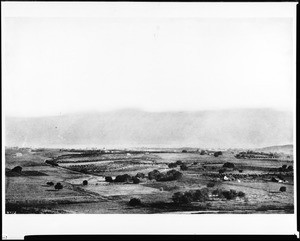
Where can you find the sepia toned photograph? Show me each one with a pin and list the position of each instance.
(147, 111)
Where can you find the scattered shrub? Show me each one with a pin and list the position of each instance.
(210, 184)
(17, 169)
(218, 153)
(187, 197)
(231, 194)
(108, 179)
(58, 186)
(85, 182)
(51, 162)
(169, 176)
(135, 202)
(179, 163)
(135, 180)
(123, 178)
(183, 167)
(241, 194)
(50, 183)
(282, 189)
(172, 165)
(228, 165)
(140, 175)
(153, 174)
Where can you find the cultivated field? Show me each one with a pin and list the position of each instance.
(201, 187)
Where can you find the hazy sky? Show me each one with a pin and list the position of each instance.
(61, 65)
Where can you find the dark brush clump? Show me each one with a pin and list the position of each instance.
(135, 202)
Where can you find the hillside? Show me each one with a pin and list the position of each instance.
(244, 128)
(287, 149)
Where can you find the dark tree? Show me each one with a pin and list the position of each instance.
(85, 182)
(184, 151)
(228, 165)
(135, 202)
(135, 180)
(108, 179)
(50, 183)
(17, 169)
(183, 167)
(58, 186)
(172, 165)
(282, 189)
(140, 175)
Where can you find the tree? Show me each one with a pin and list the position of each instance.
(282, 189)
(17, 169)
(108, 179)
(85, 182)
(50, 183)
(228, 165)
(58, 186)
(135, 180)
(135, 202)
(183, 167)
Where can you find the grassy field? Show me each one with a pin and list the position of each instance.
(28, 192)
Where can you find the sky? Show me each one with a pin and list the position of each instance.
(56, 66)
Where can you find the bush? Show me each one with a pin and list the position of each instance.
(58, 186)
(135, 180)
(218, 153)
(202, 152)
(140, 175)
(50, 183)
(123, 178)
(240, 170)
(179, 163)
(108, 179)
(290, 168)
(210, 184)
(17, 169)
(282, 189)
(222, 170)
(153, 174)
(187, 197)
(231, 194)
(183, 167)
(241, 194)
(135, 202)
(284, 166)
(228, 165)
(169, 176)
(184, 151)
(85, 182)
(51, 162)
(172, 165)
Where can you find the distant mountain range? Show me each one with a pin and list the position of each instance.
(242, 128)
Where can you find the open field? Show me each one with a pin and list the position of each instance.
(259, 179)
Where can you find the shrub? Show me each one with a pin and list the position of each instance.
(108, 179)
(290, 168)
(140, 175)
(50, 183)
(179, 163)
(228, 165)
(58, 186)
(184, 151)
(282, 189)
(172, 165)
(135, 180)
(240, 170)
(51, 162)
(202, 152)
(135, 202)
(231, 194)
(123, 178)
(85, 182)
(181, 198)
(153, 174)
(222, 170)
(187, 197)
(201, 195)
(17, 169)
(241, 194)
(183, 167)
(284, 166)
(210, 184)
(218, 153)
(218, 192)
